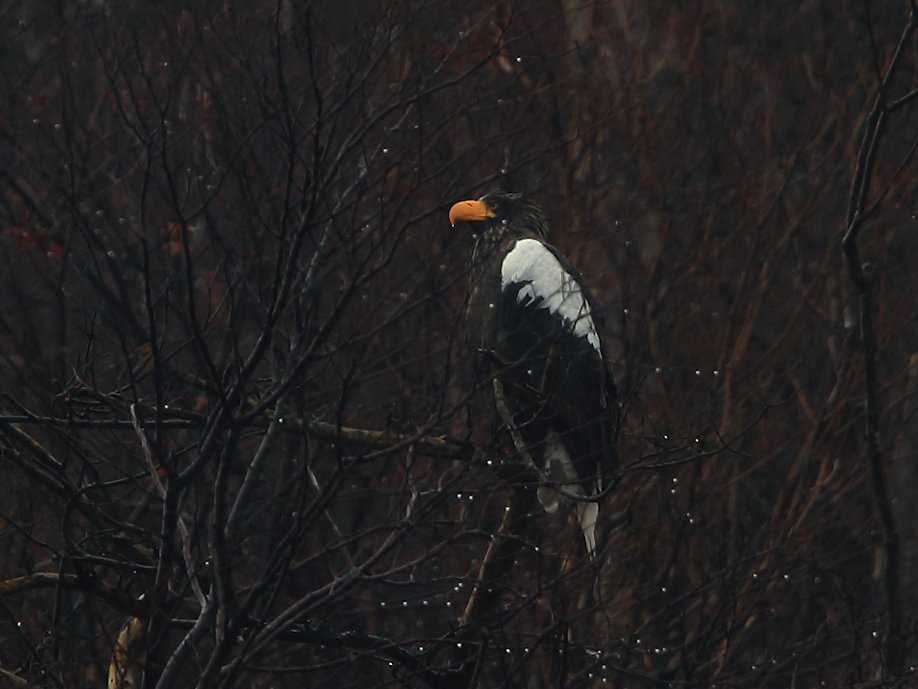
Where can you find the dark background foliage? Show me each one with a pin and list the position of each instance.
(236, 442)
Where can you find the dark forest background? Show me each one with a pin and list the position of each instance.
(236, 448)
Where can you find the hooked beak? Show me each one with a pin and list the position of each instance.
(469, 211)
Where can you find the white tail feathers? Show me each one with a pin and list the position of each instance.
(587, 514)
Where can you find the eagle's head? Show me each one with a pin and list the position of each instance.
(501, 209)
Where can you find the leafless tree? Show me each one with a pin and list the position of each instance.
(238, 443)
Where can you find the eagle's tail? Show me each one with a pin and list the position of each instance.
(587, 514)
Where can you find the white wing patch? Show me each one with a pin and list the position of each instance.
(543, 276)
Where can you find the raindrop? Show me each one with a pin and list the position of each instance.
(716, 372)
(280, 420)
(385, 150)
(426, 602)
(449, 604)
(110, 253)
(874, 634)
(420, 649)
(35, 121)
(675, 480)
(404, 604)
(503, 221)
(787, 577)
(503, 171)
(490, 306)
(57, 125)
(755, 575)
(507, 650)
(663, 589)
(458, 496)
(382, 603)
(658, 370)
(528, 371)
(536, 548)
(817, 580)
(458, 644)
(490, 462)
(165, 63)
(519, 59)
(697, 371)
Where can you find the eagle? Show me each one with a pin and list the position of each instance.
(543, 353)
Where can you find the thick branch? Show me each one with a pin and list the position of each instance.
(862, 277)
(432, 445)
(41, 580)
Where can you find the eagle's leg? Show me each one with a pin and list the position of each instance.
(503, 408)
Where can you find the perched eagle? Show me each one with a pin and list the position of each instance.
(542, 347)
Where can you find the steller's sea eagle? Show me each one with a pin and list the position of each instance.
(545, 357)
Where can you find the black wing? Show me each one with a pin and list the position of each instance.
(554, 369)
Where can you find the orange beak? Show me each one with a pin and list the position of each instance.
(469, 211)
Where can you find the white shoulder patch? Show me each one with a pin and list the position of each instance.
(531, 263)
